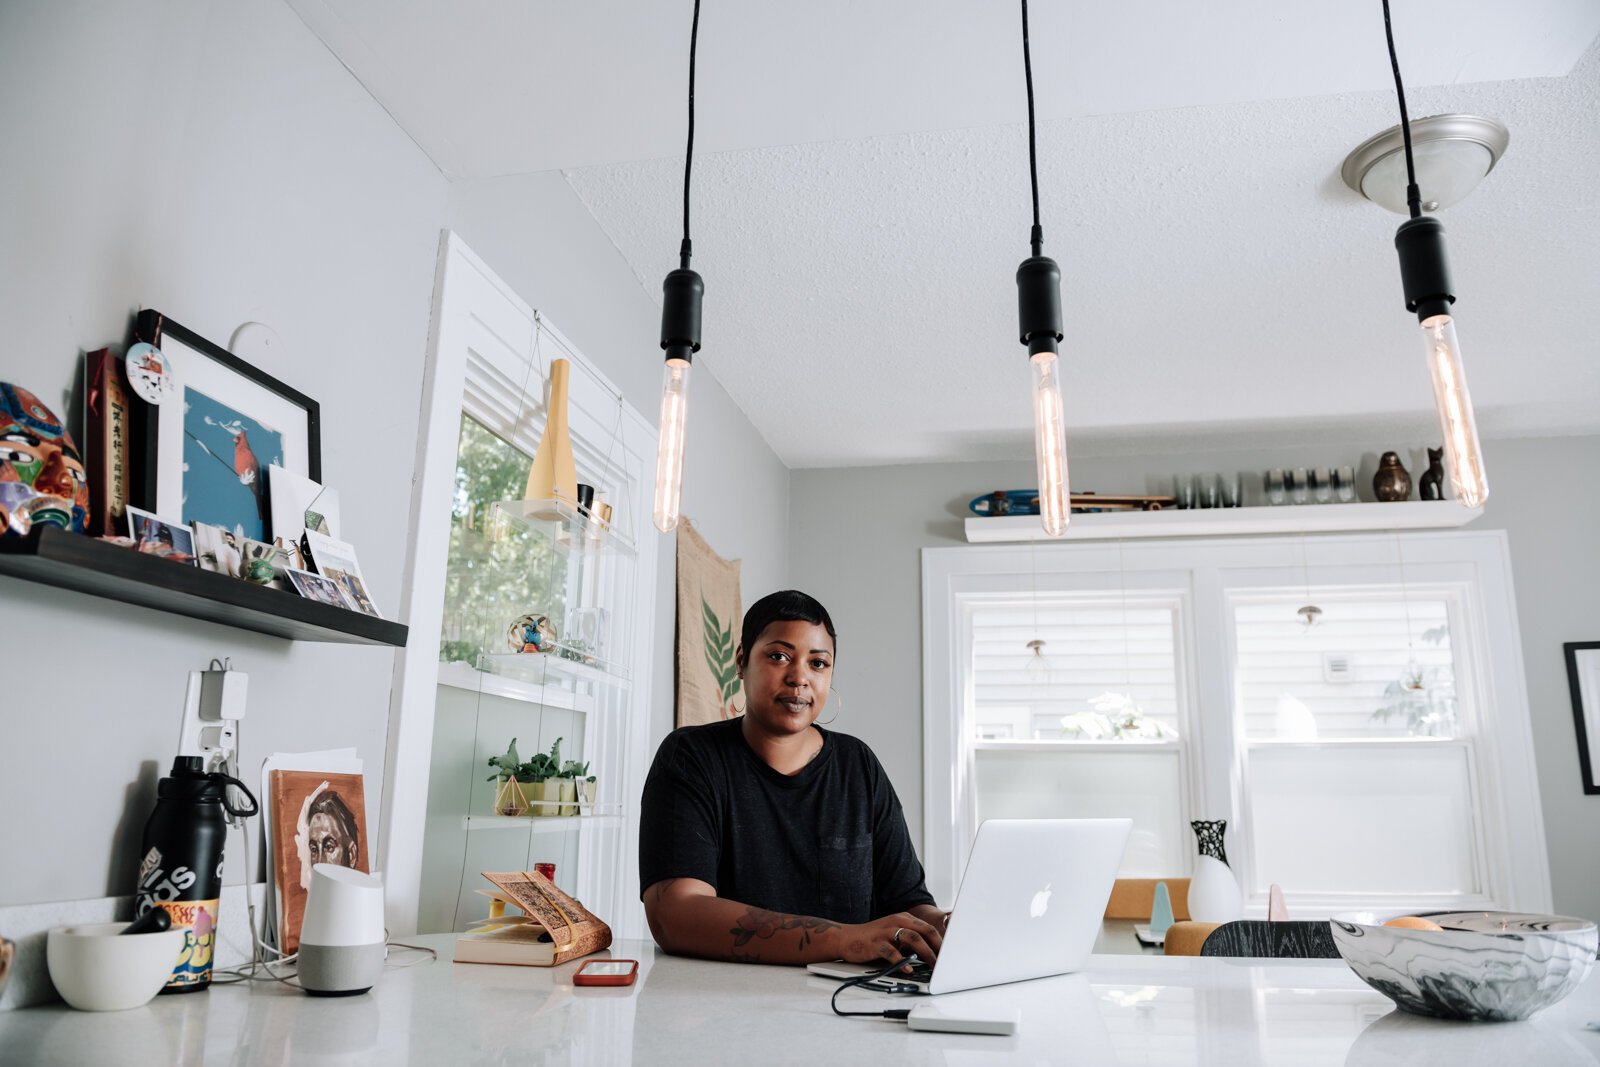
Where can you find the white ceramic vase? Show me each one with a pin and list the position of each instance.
(1214, 895)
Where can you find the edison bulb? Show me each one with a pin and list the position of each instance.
(669, 452)
(1468, 483)
(1050, 443)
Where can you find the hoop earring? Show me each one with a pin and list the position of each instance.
(834, 692)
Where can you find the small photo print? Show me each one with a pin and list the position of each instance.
(336, 561)
(217, 548)
(316, 587)
(156, 537)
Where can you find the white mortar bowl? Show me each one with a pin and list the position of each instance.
(95, 970)
(1489, 966)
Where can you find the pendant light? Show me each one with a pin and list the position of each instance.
(1426, 279)
(681, 294)
(1039, 313)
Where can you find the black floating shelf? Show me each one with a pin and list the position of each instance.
(61, 558)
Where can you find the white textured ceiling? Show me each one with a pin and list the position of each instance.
(1221, 285)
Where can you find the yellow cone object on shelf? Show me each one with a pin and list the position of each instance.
(553, 476)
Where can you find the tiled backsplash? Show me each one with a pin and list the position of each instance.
(27, 925)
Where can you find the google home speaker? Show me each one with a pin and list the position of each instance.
(341, 936)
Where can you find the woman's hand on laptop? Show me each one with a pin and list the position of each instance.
(892, 938)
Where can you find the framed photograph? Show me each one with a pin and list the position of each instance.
(156, 537)
(1583, 675)
(316, 818)
(316, 587)
(336, 561)
(209, 444)
(218, 549)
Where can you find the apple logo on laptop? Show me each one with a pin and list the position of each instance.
(1041, 901)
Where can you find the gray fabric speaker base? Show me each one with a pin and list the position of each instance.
(339, 970)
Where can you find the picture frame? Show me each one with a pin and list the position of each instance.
(1583, 676)
(200, 463)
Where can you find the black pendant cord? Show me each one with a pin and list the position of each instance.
(1033, 152)
(686, 249)
(1413, 195)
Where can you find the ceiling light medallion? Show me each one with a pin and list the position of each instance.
(1426, 279)
(681, 294)
(1039, 313)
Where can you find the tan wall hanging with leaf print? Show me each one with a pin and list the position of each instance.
(709, 615)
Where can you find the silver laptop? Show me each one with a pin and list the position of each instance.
(1029, 906)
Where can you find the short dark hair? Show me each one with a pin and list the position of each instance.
(333, 806)
(788, 605)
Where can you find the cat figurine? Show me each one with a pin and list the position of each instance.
(1431, 485)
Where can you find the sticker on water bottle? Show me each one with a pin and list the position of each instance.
(198, 920)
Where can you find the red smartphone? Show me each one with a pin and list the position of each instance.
(606, 972)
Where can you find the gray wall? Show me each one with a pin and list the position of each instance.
(857, 534)
(212, 160)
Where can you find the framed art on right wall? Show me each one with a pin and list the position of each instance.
(1583, 675)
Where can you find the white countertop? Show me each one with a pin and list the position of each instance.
(1144, 1010)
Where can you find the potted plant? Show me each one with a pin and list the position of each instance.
(543, 771)
(587, 789)
(571, 771)
(512, 795)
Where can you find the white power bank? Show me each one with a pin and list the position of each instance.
(958, 1020)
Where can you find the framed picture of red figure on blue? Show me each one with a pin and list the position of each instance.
(207, 446)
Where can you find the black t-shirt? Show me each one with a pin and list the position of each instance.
(830, 841)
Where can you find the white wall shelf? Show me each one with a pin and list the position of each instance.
(1222, 522)
(567, 529)
(608, 815)
(465, 676)
(551, 668)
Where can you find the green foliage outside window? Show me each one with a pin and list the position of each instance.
(495, 572)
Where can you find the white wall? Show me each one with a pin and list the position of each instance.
(536, 234)
(858, 532)
(211, 159)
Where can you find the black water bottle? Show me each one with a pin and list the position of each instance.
(181, 869)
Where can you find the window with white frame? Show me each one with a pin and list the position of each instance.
(1353, 757)
(1076, 714)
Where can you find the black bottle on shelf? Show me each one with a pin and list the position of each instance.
(181, 869)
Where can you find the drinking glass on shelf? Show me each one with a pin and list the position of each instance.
(1344, 485)
(1300, 486)
(1207, 493)
(1229, 484)
(1182, 492)
(1276, 493)
(1322, 486)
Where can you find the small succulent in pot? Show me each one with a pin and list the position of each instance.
(508, 765)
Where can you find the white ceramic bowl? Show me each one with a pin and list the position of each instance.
(95, 970)
(1484, 965)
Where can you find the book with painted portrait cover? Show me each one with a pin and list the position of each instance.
(316, 818)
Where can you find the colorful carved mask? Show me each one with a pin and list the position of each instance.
(41, 472)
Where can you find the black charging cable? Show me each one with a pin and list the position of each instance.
(899, 987)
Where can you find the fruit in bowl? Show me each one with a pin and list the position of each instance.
(1479, 965)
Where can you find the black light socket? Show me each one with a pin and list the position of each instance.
(681, 294)
(1424, 271)
(1039, 304)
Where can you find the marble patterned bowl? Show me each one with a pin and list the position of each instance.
(1487, 966)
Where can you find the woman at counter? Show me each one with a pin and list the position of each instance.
(767, 839)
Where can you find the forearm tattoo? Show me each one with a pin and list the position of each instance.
(758, 923)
